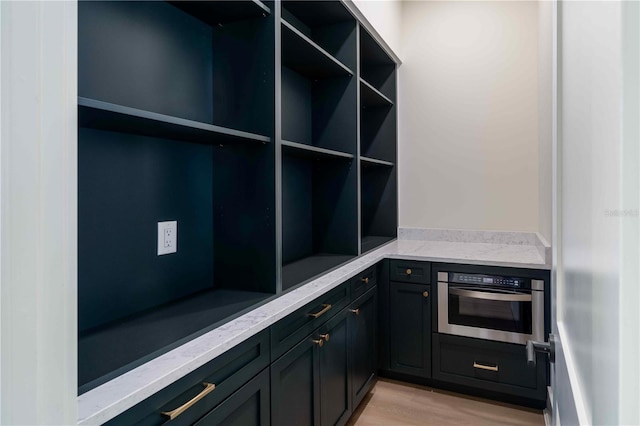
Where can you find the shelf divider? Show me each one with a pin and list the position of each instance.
(372, 97)
(107, 116)
(375, 161)
(304, 56)
(314, 151)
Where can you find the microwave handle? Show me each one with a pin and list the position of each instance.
(490, 296)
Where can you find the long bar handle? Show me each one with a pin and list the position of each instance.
(485, 367)
(208, 388)
(325, 308)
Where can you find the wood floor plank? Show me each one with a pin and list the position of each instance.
(392, 403)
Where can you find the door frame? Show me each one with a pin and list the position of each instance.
(38, 212)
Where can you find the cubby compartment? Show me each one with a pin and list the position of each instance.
(325, 24)
(203, 65)
(319, 213)
(379, 203)
(319, 92)
(376, 67)
(378, 118)
(134, 304)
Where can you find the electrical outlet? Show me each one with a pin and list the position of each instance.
(167, 237)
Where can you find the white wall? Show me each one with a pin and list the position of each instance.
(545, 116)
(468, 143)
(385, 16)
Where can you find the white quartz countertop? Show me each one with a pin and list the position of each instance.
(112, 398)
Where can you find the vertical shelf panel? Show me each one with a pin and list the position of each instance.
(378, 144)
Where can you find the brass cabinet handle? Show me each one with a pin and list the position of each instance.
(208, 388)
(485, 367)
(365, 280)
(355, 311)
(318, 342)
(325, 308)
(409, 271)
(325, 337)
(425, 294)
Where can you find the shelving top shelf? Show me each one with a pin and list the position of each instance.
(372, 97)
(313, 151)
(304, 56)
(222, 12)
(376, 162)
(107, 116)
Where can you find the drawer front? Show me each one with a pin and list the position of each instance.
(249, 406)
(290, 330)
(410, 271)
(364, 282)
(495, 366)
(229, 372)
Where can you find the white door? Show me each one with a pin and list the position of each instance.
(595, 379)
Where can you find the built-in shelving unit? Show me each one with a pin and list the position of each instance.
(239, 120)
(378, 142)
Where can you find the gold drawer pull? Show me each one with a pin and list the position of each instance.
(365, 280)
(355, 311)
(485, 367)
(318, 342)
(208, 388)
(409, 271)
(325, 308)
(325, 337)
(425, 294)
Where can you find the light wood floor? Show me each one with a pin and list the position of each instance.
(392, 403)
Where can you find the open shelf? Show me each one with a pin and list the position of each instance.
(312, 151)
(305, 269)
(371, 242)
(154, 57)
(223, 12)
(328, 24)
(376, 67)
(131, 182)
(375, 162)
(372, 97)
(379, 205)
(106, 116)
(305, 57)
(319, 214)
(319, 112)
(105, 351)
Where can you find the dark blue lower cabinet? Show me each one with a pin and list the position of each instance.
(335, 377)
(410, 329)
(295, 385)
(310, 384)
(363, 332)
(249, 406)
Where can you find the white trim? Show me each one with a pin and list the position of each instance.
(38, 198)
(584, 415)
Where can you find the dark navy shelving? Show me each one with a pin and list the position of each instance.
(258, 126)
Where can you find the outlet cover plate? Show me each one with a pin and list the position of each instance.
(167, 237)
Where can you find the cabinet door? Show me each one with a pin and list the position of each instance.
(335, 380)
(249, 406)
(363, 344)
(410, 329)
(295, 385)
